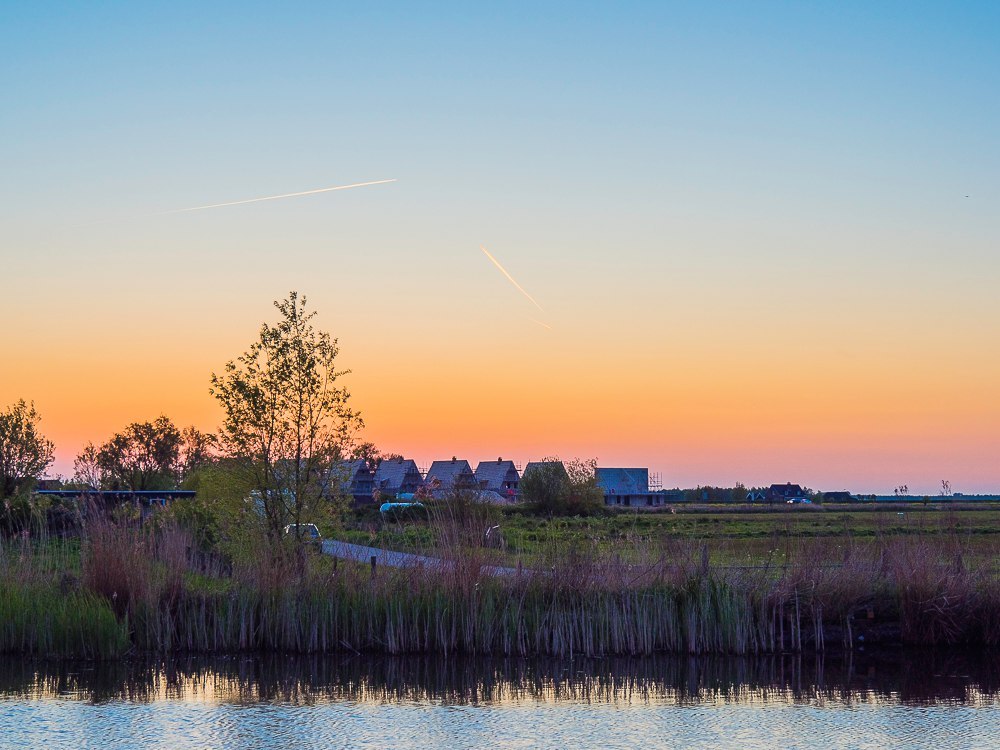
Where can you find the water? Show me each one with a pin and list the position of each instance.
(914, 700)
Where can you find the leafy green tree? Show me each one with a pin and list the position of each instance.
(25, 453)
(286, 419)
(198, 449)
(558, 489)
(218, 517)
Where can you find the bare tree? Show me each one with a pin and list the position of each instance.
(286, 420)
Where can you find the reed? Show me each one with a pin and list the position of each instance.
(44, 621)
(144, 588)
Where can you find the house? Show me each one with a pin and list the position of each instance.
(757, 496)
(354, 478)
(623, 481)
(451, 475)
(782, 493)
(498, 476)
(838, 497)
(145, 501)
(628, 487)
(397, 476)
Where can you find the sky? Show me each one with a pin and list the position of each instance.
(762, 237)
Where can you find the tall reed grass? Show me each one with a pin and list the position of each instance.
(144, 588)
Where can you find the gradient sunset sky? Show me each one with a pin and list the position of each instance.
(765, 237)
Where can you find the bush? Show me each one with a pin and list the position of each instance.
(556, 489)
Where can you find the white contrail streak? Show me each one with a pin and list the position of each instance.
(275, 197)
(511, 279)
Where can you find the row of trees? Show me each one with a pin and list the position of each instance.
(144, 456)
(286, 421)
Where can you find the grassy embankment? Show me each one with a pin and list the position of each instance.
(692, 582)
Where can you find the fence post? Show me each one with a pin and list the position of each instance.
(374, 560)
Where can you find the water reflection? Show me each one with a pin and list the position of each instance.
(898, 678)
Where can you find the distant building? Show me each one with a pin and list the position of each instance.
(145, 501)
(451, 475)
(355, 479)
(623, 481)
(837, 497)
(397, 476)
(781, 493)
(630, 488)
(757, 496)
(498, 476)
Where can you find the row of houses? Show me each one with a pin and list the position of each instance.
(499, 480)
(401, 477)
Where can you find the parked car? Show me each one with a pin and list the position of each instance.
(799, 501)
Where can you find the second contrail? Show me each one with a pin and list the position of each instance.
(511, 279)
(276, 197)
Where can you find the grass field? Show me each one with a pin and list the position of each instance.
(742, 535)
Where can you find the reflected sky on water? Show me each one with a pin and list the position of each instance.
(914, 699)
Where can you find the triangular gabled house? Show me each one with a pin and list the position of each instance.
(455, 474)
(397, 477)
(498, 476)
(354, 478)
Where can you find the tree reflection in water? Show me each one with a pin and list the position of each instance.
(904, 677)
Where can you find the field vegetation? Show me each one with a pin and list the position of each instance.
(616, 584)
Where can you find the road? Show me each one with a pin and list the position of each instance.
(393, 559)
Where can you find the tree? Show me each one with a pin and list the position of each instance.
(371, 455)
(144, 456)
(197, 450)
(25, 453)
(569, 489)
(286, 421)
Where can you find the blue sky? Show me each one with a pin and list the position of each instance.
(711, 184)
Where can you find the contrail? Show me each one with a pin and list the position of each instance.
(511, 279)
(275, 197)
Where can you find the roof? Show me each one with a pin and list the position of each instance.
(447, 472)
(623, 481)
(348, 470)
(392, 473)
(495, 473)
(786, 490)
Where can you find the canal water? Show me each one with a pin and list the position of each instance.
(929, 699)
